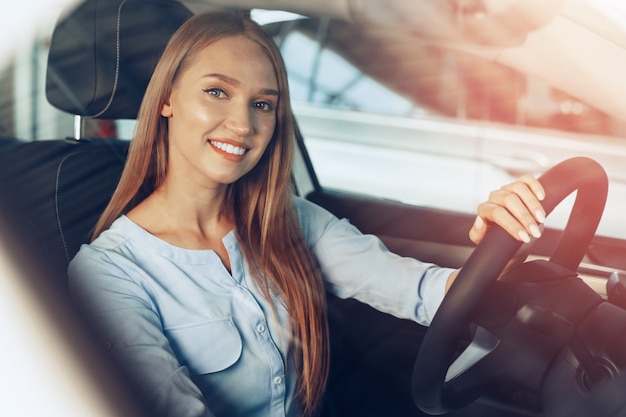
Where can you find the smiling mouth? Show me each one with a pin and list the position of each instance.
(228, 148)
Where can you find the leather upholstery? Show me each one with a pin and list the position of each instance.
(55, 191)
(103, 53)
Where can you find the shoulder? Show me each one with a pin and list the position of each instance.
(107, 249)
(108, 267)
(117, 234)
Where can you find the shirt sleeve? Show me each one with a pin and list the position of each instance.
(131, 327)
(356, 265)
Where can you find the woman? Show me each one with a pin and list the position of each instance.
(207, 274)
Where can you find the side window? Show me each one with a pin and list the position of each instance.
(360, 134)
(393, 115)
(320, 76)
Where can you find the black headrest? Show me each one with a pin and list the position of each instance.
(103, 53)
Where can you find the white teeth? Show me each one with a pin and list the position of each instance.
(228, 148)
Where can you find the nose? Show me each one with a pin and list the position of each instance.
(239, 120)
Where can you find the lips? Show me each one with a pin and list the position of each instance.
(228, 148)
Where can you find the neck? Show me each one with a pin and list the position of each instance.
(192, 219)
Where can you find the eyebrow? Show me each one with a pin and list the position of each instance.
(234, 82)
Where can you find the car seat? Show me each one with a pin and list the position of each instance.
(54, 190)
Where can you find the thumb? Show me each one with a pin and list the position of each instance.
(478, 230)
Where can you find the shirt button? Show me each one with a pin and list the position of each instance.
(261, 328)
(278, 380)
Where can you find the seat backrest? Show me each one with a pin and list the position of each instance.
(54, 192)
(102, 55)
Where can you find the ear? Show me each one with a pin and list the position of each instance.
(166, 110)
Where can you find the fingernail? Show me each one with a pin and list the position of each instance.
(540, 216)
(479, 222)
(534, 230)
(523, 236)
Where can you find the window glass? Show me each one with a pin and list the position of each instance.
(394, 116)
(335, 65)
(321, 76)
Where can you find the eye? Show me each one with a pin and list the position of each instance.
(263, 106)
(215, 92)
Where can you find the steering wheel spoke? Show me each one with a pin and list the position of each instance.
(483, 343)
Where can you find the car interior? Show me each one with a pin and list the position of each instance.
(101, 57)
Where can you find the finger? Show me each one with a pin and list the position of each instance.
(522, 203)
(520, 225)
(535, 186)
(516, 207)
(480, 227)
(478, 230)
(531, 192)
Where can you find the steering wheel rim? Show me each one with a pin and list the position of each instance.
(430, 392)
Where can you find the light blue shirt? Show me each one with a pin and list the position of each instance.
(204, 341)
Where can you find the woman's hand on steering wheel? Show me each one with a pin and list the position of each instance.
(516, 207)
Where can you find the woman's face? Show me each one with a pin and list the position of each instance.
(221, 113)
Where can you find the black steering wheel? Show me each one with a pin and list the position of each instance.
(431, 393)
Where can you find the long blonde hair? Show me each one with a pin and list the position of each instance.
(260, 202)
